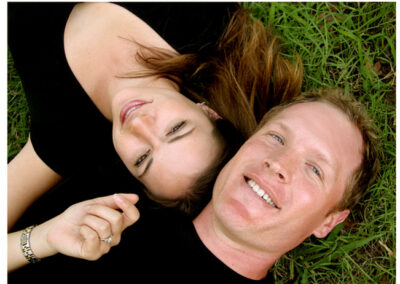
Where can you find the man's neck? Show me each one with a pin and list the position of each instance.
(234, 255)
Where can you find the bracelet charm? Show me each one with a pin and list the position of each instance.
(26, 245)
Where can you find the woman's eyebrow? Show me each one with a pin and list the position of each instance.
(169, 141)
(146, 168)
(180, 136)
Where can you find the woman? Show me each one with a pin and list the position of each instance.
(142, 98)
(135, 78)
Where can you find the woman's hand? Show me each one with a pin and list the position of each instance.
(78, 231)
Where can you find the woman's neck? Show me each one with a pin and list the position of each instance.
(241, 260)
(105, 49)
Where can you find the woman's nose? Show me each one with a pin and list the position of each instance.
(143, 127)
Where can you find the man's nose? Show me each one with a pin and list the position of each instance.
(278, 168)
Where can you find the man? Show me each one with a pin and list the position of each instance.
(298, 175)
(307, 164)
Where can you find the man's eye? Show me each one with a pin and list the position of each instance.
(142, 158)
(277, 138)
(316, 171)
(177, 127)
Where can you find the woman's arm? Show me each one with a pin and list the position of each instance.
(28, 178)
(78, 231)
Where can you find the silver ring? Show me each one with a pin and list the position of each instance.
(107, 240)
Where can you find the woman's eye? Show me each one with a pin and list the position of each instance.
(177, 127)
(277, 138)
(142, 158)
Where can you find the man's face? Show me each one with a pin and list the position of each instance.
(281, 185)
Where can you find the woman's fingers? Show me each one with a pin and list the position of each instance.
(109, 200)
(92, 248)
(101, 226)
(107, 221)
(125, 202)
(130, 212)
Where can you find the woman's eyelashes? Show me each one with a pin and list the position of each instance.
(177, 127)
(142, 158)
(174, 129)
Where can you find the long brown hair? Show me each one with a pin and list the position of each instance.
(241, 78)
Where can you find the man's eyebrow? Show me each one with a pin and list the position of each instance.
(322, 158)
(146, 168)
(283, 126)
(180, 136)
(318, 155)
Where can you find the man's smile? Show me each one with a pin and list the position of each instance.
(261, 192)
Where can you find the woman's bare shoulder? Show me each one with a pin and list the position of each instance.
(108, 22)
(100, 41)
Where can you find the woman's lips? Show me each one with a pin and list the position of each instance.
(129, 108)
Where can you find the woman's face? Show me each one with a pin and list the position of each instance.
(164, 139)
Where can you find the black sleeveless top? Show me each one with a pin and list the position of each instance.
(68, 132)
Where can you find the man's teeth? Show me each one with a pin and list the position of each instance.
(260, 192)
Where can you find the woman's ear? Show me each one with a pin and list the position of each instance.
(330, 222)
(209, 111)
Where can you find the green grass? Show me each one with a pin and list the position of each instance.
(17, 111)
(350, 45)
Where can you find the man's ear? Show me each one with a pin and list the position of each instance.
(330, 222)
(209, 111)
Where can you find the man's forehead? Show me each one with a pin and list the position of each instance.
(304, 109)
(326, 125)
(316, 106)
(315, 119)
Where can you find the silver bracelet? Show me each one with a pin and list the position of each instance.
(26, 245)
